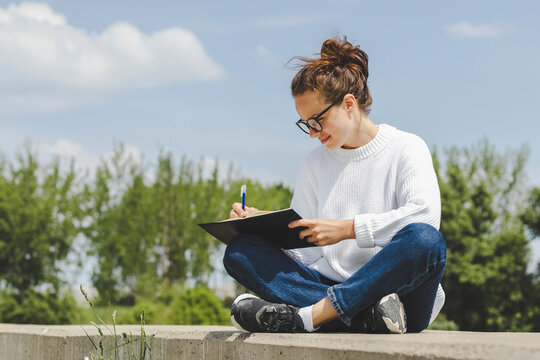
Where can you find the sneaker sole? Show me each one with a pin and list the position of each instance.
(387, 305)
(236, 301)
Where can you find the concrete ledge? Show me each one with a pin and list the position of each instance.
(41, 342)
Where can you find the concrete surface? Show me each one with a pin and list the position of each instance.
(18, 342)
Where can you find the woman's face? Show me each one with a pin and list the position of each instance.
(337, 124)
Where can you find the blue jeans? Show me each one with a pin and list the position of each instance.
(411, 265)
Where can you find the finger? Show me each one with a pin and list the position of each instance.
(305, 222)
(237, 207)
(250, 209)
(298, 223)
(306, 235)
(233, 214)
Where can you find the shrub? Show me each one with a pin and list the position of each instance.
(198, 306)
(37, 308)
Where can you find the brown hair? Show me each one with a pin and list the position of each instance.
(341, 69)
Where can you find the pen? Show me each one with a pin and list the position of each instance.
(243, 195)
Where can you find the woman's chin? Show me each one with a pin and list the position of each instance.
(331, 146)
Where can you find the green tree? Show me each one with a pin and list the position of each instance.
(38, 212)
(187, 196)
(122, 227)
(145, 231)
(207, 204)
(170, 191)
(531, 218)
(486, 276)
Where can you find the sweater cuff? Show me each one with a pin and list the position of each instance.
(362, 229)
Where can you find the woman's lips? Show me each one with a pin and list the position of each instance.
(325, 140)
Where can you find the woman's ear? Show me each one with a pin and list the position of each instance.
(350, 101)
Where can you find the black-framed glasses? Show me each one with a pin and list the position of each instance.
(313, 122)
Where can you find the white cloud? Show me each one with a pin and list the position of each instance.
(266, 57)
(67, 150)
(47, 64)
(263, 175)
(62, 148)
(466, 29)
(209, 164)
(33, 12)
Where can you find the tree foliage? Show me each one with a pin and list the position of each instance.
(38, 220)
(531, 215)
(141, 220)
(486, 279)
(120, 224)
(37, 308)
(531, 218)
(143, 225)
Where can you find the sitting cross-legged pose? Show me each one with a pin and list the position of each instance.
(370, 204)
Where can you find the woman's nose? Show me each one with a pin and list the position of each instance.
(313, 133)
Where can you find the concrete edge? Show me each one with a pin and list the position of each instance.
(220, 342)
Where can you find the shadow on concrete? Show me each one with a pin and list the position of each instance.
(238, 336)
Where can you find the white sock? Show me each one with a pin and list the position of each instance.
(307, 318)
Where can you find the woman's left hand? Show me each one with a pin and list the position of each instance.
(324, 231)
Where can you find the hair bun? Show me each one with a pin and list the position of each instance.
(341, 68)
(336, 53)
(340, 52)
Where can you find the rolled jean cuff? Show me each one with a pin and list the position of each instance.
(337, 307)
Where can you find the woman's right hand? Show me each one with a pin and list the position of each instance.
(237, 211)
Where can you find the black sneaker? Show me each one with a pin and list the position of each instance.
(253, 314)
(387, 316)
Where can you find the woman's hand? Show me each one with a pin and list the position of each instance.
(324, 231)
(237, 211)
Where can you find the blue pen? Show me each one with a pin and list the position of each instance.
(243, 194)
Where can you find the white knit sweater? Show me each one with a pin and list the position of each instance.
(384, 186)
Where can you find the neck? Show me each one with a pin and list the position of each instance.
(364, 133)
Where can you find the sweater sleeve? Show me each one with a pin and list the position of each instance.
(417, 195)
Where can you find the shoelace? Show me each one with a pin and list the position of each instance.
(280, 319)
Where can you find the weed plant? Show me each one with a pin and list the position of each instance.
(136, 346)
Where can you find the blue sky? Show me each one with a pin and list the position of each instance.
(451, 73)
(208, 79)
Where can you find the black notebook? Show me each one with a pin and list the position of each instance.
(273, 225)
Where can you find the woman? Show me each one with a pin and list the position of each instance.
(370, 204)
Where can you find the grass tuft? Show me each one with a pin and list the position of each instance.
(111, 352)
